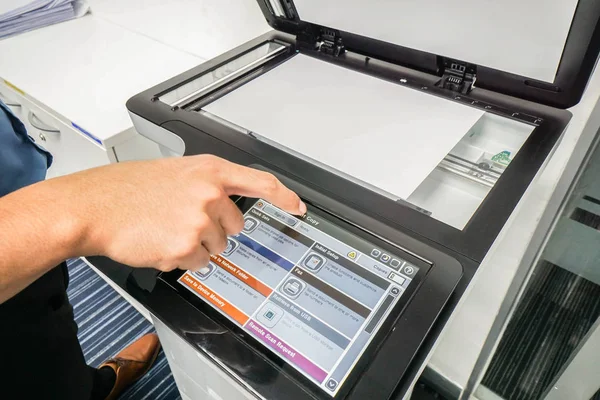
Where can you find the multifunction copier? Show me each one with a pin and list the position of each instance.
(411, 129)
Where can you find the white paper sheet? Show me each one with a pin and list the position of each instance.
(379, 132)
(525, 37)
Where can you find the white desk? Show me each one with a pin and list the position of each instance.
(75, 77)
(203, 28)
(86, 69)
(71, 80)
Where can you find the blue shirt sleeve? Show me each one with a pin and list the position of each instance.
(22, 161)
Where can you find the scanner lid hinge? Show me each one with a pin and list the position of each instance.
(457, 76)
(330, 42)
(324, 40)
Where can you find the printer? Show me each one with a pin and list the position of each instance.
(411, 129)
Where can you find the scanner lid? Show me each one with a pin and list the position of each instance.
(538, 50)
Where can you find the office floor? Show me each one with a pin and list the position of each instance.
(548, 326)
(107, 323)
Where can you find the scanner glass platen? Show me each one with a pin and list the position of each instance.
(431, 153)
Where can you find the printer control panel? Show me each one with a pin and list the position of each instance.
(306, 289)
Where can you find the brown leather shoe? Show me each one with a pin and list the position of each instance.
(132, 363)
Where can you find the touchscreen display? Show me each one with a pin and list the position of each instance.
(308, 290)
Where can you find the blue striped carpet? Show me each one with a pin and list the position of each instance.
(108, 323)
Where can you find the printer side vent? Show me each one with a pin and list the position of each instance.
(457, 76)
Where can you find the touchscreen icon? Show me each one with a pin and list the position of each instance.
(331, 384)
(395, 263)
(283, 217)
(204, 272)
(385, 257)
(250, 224)
(375, 253)
(314, 262)
(408, 270)
(231, 246)
(269, 315)
(293, 287)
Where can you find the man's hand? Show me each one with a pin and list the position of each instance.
(166, 214)
(174, 213)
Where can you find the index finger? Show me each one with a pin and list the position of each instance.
(249, 182)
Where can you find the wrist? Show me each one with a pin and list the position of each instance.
(72, 227)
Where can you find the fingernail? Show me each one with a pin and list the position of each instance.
(302, 208)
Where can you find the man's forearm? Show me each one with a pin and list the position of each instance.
(166, 214)
(40, 227)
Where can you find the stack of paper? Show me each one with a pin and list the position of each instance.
(17, 16)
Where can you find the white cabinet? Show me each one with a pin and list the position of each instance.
(71, 149)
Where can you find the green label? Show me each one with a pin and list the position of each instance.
(502, 158)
